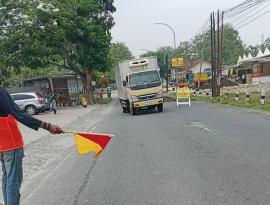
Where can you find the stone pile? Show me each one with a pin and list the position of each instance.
(242, 88)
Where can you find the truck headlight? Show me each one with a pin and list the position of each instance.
(134, 98)
(159, 94)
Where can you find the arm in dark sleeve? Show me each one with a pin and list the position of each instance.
(10, 107)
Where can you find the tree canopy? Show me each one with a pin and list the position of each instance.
(233, 45)
(254, 49)
(67, 33)
(200, 48)
(119, 51)
(162, 54)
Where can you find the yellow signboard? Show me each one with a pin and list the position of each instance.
(183, 93)
(204, 77)
(178, 62)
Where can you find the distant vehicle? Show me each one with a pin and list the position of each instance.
(32, 102)
(207, 70)
(139, 85)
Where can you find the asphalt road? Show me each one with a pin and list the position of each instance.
(205, 155)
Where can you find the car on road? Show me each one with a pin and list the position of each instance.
(31, 102)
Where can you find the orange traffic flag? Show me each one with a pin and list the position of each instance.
(91, 142)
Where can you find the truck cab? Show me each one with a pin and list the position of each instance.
(141, 86)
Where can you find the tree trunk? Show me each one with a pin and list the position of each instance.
(87, 79)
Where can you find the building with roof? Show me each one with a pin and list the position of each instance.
(67, 86)
(256, 69)
(199, 66)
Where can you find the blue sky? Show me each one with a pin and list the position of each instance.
(135, 22)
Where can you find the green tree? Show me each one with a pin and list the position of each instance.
(233, 45)
(119, 51)
(267, 43)
(14, 77)
(66, 33)
(162, 54)
(253, 50)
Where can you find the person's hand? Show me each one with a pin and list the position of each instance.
(55, 129)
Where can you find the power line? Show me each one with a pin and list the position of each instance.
(247, 18)
(202, 29)
(236, 7)
(230, 15)
(238, 17)
(243, 6)
(246, 8)
(241, 26)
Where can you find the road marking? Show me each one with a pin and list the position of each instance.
(202, 126)
(208, 130)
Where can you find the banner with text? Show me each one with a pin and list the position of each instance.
(178, 62)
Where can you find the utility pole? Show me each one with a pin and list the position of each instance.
(213, 53)
(262, 46)
(221, 45)
(218, 68)
(200, 73)
(217, 48)
(262, 38)
(167, 72)
(220, 48)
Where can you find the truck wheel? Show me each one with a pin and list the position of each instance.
(132, 111)
(160, 108)
(124, 110)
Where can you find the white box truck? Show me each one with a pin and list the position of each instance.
(139, 85)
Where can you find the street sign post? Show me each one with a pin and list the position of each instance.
(183, 97)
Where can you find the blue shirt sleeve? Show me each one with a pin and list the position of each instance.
(8, 106)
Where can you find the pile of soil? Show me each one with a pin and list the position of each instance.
(224, 83)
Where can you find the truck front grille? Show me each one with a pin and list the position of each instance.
(148, 97)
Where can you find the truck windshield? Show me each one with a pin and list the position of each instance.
(143, 80)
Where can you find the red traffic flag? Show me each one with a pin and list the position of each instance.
(91, 142)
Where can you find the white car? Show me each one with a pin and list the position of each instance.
(32, 102)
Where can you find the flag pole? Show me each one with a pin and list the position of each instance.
(70, 132)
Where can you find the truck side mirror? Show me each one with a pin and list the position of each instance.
(124, 83)
(126, 78)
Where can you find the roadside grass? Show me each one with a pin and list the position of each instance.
(229, 99)
(171, 94)
(102, 101)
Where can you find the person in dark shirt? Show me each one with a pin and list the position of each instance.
(11, 144)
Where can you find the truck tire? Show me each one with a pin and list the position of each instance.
(160, 108)
(124, 110)
(132, 110)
